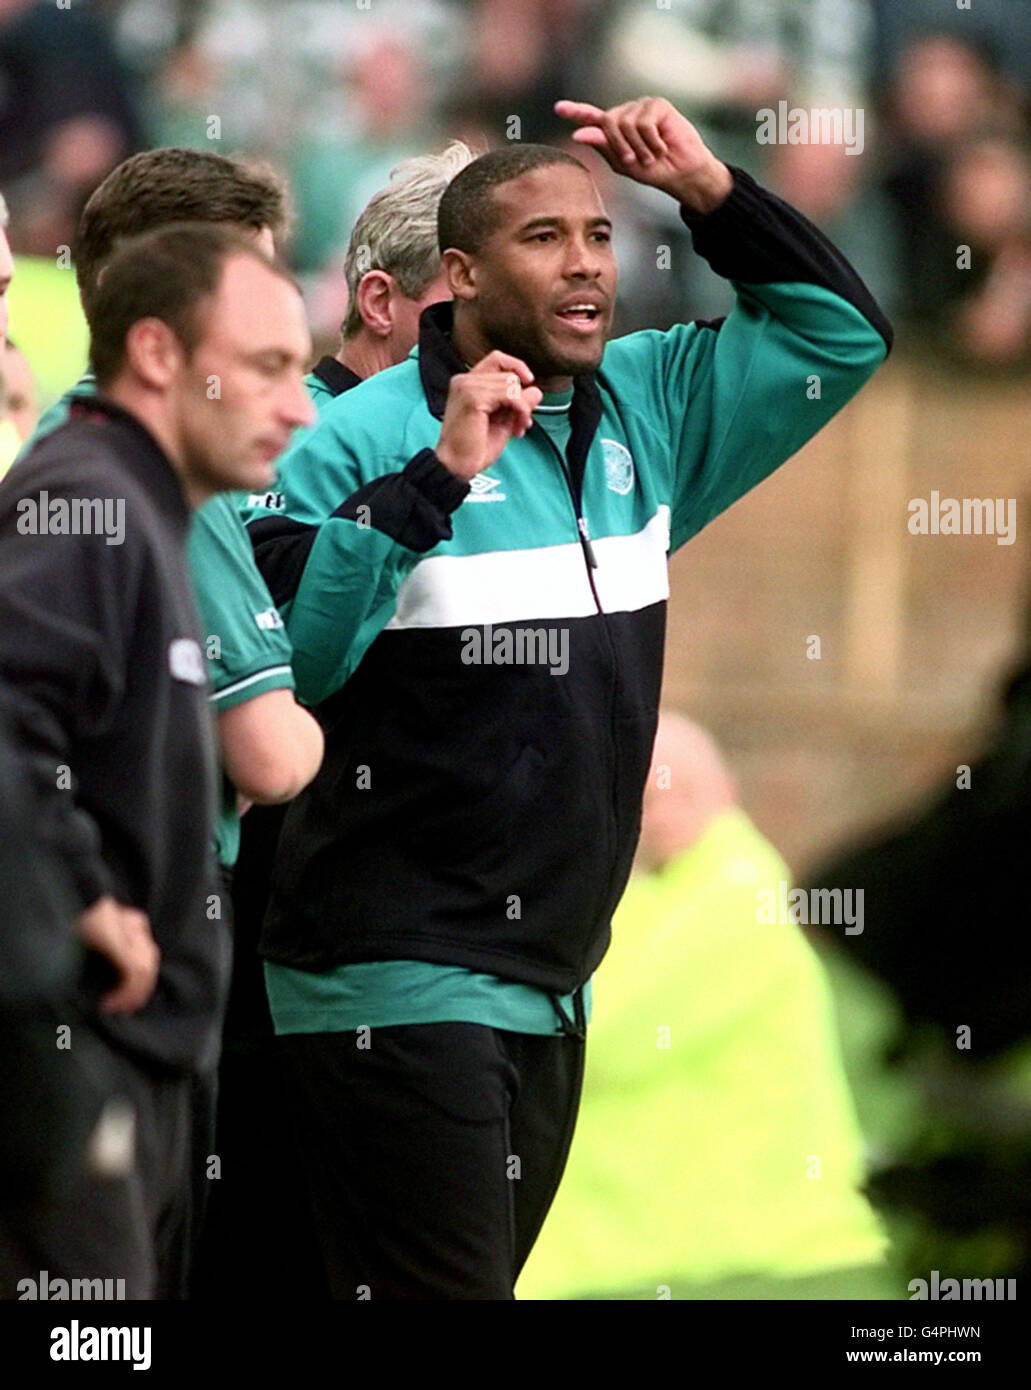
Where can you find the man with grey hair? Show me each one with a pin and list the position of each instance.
(393, 272)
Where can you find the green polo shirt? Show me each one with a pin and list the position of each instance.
(247, 649)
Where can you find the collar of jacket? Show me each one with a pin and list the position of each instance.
(335, 376)
(438, 363)
(144, 456)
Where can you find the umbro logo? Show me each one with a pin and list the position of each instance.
(484, 489)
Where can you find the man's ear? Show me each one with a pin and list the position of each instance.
(374, 292)
(152, 352)
(461, 273)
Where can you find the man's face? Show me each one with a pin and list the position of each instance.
(241, 394)
(545, 279)
(6, 275)
(405, 333)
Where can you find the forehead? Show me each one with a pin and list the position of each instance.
(255, 304)
(553, 190)
(6, 261)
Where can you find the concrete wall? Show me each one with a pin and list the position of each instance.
(916, 631)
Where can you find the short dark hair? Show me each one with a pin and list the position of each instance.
(159, 187)
(468, 213)
(165, 275)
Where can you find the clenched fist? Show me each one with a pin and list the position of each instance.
(486, 407)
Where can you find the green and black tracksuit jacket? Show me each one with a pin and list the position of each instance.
(485, 815)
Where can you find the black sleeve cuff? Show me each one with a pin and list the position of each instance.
(756, 238)
(412, 507)
(439, 486)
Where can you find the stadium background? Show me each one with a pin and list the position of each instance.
(917, 633)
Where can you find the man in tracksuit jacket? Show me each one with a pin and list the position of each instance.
(269, 745)
(100, 648)
(486, 650)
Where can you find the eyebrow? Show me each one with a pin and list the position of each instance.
(284, 354)
(536, 223)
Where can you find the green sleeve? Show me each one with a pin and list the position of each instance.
(735, 400)
(346, 597)
(245, 640)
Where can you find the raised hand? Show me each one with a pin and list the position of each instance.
(650, 141)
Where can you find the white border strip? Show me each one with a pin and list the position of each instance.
(504, 586)
(249, 680)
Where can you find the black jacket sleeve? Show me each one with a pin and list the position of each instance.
(756, 238)
(412, 507)
(65, 602)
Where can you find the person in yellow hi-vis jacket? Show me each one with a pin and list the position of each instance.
(717, 1138)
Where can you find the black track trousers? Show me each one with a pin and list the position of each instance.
(256, 1237)
(432, 1154)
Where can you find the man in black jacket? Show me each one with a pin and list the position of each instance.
(198, 345)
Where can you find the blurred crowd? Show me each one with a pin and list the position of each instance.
(932, 208)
